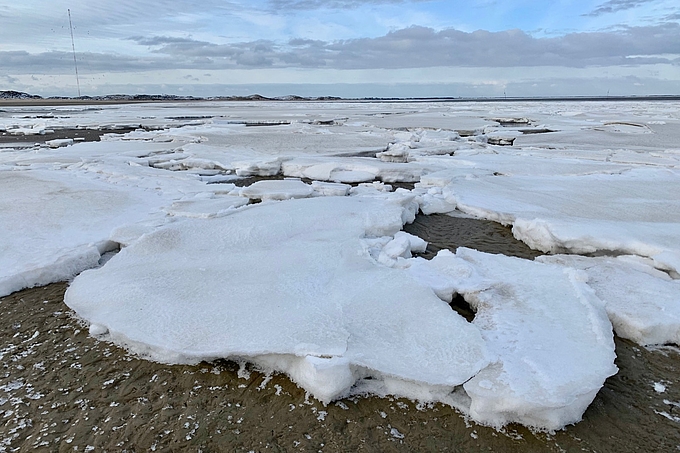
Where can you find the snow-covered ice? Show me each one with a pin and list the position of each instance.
(546, 368)
(278, 190)
(643, 303)
(318, 281)
(55, 224)
(635, 212)
(284, 284)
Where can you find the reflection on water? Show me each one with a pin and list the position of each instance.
(447, 232)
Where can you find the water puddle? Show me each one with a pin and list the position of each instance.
(78, 135)
(443, 231)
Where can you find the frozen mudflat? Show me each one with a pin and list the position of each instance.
(317, 281)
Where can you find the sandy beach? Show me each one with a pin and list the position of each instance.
(62, 389)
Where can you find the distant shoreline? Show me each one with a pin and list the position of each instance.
(117, 100)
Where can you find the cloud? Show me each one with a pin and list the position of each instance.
(417, 47)
(8, 79)
(412, 47)
(62, 62)
(260, 53)
(671, 17)
(613, 6)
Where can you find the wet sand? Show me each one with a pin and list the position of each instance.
(61, 389)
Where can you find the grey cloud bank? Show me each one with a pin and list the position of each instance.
(413, 47)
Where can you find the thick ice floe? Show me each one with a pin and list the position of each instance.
(546, 368)
(323, 285)
(636, 212)
(278, 190)
(57, 224)
(290, 285)
(642, 302)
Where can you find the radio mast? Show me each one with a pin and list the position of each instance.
(73, 46)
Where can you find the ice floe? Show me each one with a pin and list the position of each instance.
(642, 302)
(278, 190)
(57, 224)
(635, 212)
(546, 368)
(288, 285)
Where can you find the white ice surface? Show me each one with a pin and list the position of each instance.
(288, 285)
(642, 302)
(636, 212)
(551, 342)
(278, 190)
(56, 224)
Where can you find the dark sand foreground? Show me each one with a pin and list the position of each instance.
(61, 390)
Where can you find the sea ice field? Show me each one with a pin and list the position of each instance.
(271, 233)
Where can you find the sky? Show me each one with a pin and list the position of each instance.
(347, 48)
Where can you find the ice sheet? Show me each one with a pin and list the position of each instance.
(635, 212)
(289, 285)
(56, 224)
(552, 343)
(580, 176)
(642, 302)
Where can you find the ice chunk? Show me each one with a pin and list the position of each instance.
(368, 188)
(330, 189)
(396, 152)
(327, 378)
(285, 284)
(550, 335)
(642, 302)
(58, 143)
(659, 387)
(278, 190)
(258, 168)
(55, 224)
(434, 201)
(97, 330)
(637, 212)
(401, 246)
(416, 244)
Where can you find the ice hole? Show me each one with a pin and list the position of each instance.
(250, 180)
(460, 306)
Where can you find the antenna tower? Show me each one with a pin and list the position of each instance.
(73, 46)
